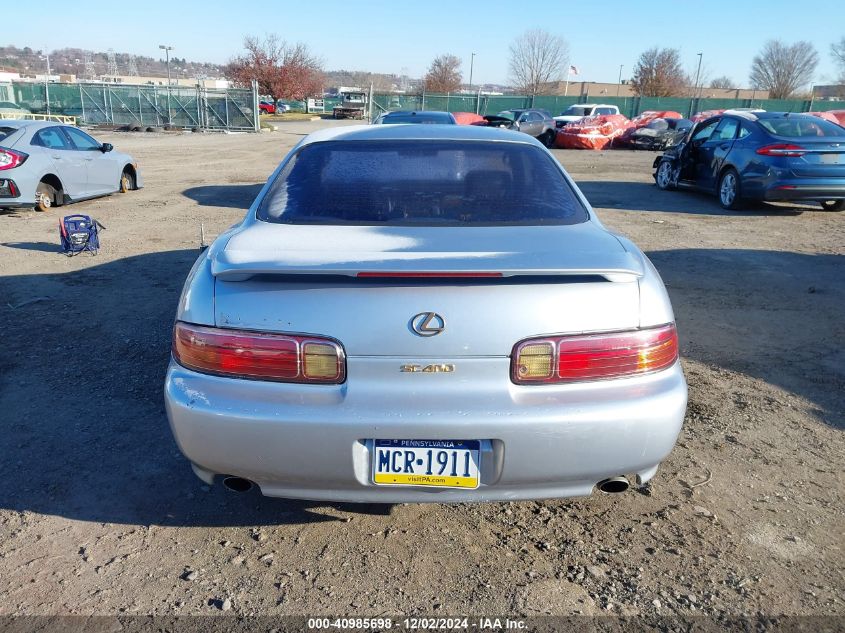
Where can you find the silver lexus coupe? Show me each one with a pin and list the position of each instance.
(414, 313)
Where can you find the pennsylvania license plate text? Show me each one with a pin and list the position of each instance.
(437, 463)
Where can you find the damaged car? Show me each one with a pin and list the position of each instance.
(660, 134)
(532, 121)
(772, 156)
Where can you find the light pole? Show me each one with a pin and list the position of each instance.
(697, 75)
(167, 50)
(47, 83)
(619, 83)
(471, 64)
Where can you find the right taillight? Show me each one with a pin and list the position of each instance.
(562, 359)
(9, 158)
(782, 149)
(259, 355)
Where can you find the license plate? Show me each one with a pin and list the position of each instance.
(832, 159)
(434, 463)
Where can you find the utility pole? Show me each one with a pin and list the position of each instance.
(47, 84)
(619, 83)
(695, 88)
(167, 50)
(697, 75)
(471, 64)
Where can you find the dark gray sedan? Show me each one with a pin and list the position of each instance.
(534, 122)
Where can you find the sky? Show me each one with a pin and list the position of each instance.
(403, 37)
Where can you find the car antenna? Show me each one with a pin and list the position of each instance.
(203, 245)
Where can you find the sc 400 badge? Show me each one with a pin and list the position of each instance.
(428, 369)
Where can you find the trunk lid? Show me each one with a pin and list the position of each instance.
(822, 158)
(306, 279)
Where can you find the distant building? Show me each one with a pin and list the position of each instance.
(833, 92)
(184, 82)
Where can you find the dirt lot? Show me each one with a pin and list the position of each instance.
(100, 514)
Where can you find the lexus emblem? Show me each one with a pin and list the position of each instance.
(428, 324)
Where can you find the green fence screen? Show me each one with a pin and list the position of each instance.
(629, 106)
(141, 105)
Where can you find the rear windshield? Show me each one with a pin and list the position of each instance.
(401, 182)
(7, 131)
(417, 118)
(801, 126)
(576, 111)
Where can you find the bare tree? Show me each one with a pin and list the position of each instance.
(537, 59)
(659, 73)
(288, 71)
(837, 51)
(444, 74)
(301, 74)
(782, 68)
(724, 82)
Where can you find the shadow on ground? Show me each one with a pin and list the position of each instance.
(44, 247)
(229, 196)
(85, 434)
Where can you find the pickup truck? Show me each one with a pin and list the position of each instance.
(578, 111)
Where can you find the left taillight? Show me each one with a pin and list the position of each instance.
(259, 355)
(9, 158)
(562, 359)
(782, 149)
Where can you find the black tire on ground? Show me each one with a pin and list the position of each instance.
(150, 129)
(127, 181)
(833, 205)
(136, 128)
(45, 197)
(664, 177)
(548, 139)
(729, 191)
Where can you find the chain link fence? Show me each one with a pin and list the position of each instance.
(141, 105)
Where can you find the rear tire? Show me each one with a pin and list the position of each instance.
(45, 196)
(127, 182)
(833, 205)
(729, 190)
(548, 139)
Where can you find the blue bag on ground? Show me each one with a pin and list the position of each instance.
(79, 233)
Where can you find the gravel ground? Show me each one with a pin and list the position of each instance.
(101, 515)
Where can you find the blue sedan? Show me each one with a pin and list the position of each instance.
(773, 156)
(45, 164)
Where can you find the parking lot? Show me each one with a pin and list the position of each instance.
(100, 514)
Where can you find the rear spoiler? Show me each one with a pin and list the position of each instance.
(238, 266)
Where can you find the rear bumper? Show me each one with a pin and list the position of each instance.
(315, 442)
(810, 190)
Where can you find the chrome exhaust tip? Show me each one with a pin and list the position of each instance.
(237, 484)
(614, 485)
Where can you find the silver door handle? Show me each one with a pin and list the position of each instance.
(57, 157)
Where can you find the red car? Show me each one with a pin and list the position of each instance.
(267, 107)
